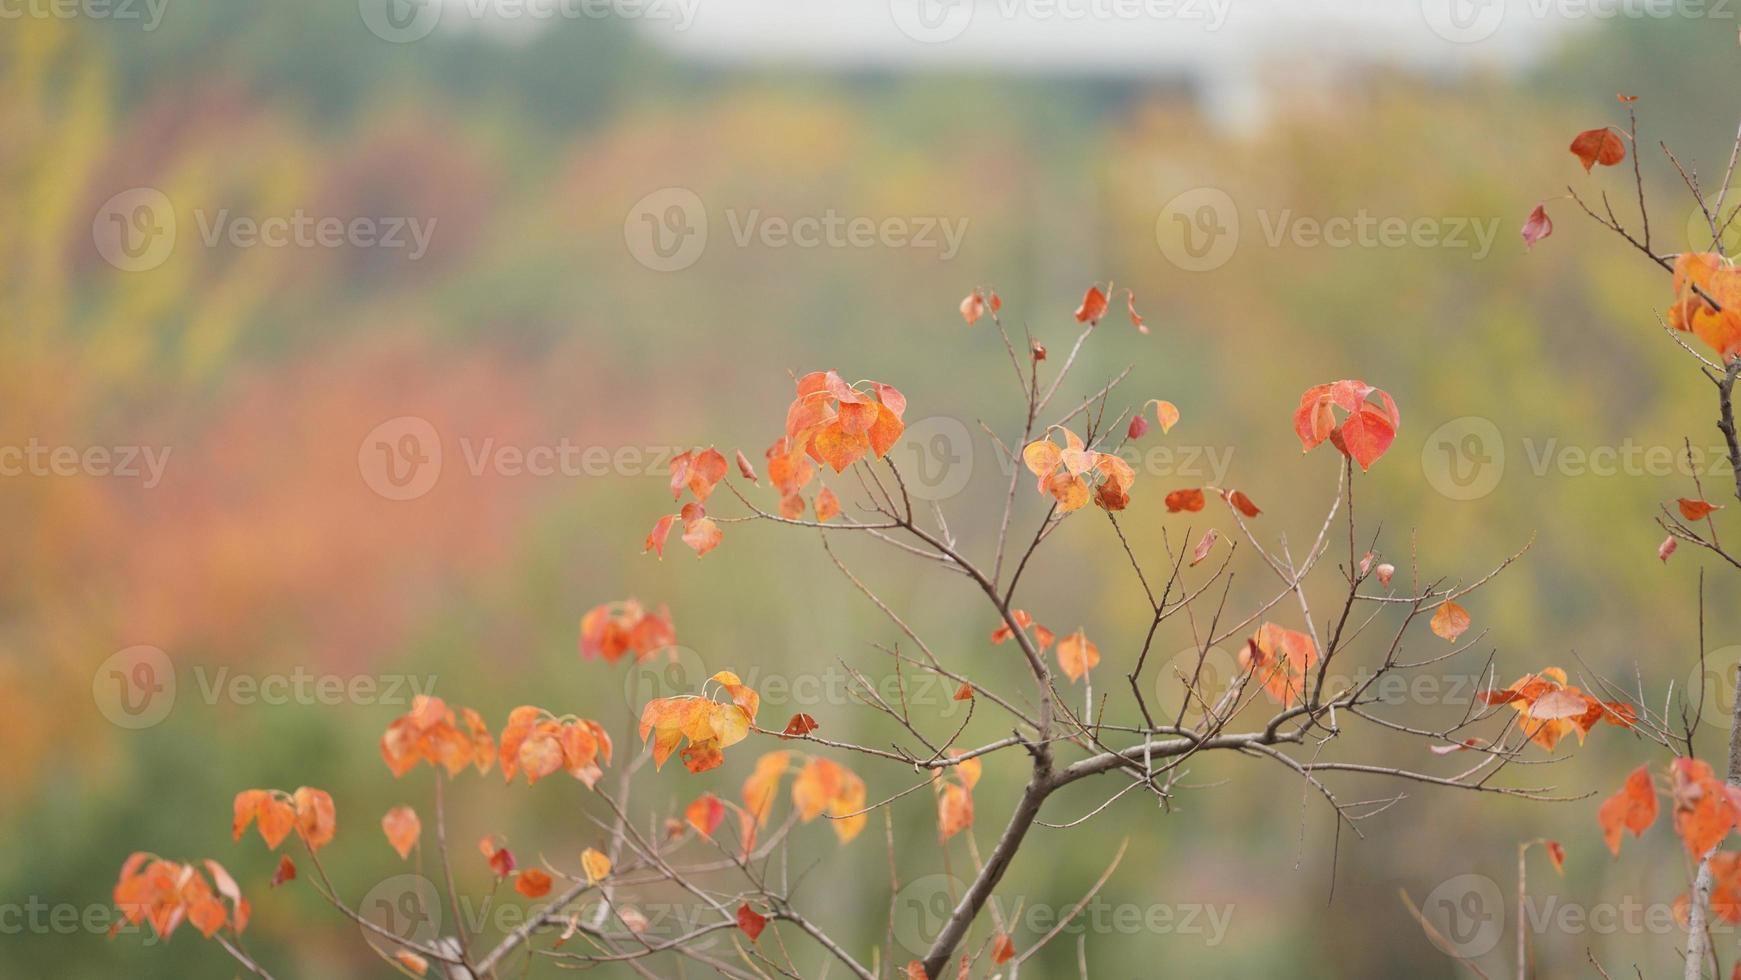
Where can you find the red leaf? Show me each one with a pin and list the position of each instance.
(751, 923)
(1243, 504)
(964, 692)
(1557, 854)
(1139, 425)
(1366, 435)
(801, 724)
(1002, 950)
(1667, 548)
(286, 871)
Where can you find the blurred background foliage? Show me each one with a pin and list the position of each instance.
(529, 322)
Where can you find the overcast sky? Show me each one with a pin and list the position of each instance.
(1121, 36)
(1232, 50)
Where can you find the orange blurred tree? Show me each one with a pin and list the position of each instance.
(1285, 707)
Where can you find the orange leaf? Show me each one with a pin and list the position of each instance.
(1093, 306)
(801, 724)
(1557, 854)
(1077, 655)
(1701, 279)
(964, 692)
(1136, 319)
(1183, 500)
(817, 783)
(699, 531)
(748, 471)
(657, 537)
(954, 810)
(411, 961)
(759, 789)
(1696, 510)
(697, 471)
(1632, 808)
(1167, 414)
(751, 923)
(276, 817)
(402, 829)
(1603, 146)
(540, 755)
(705, 814)
(827, 505)
(1450, 621)
(532, 883)
(206, 914)
(1705, 808)
(701, 756)
(1279, 658)
(1002, 950)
